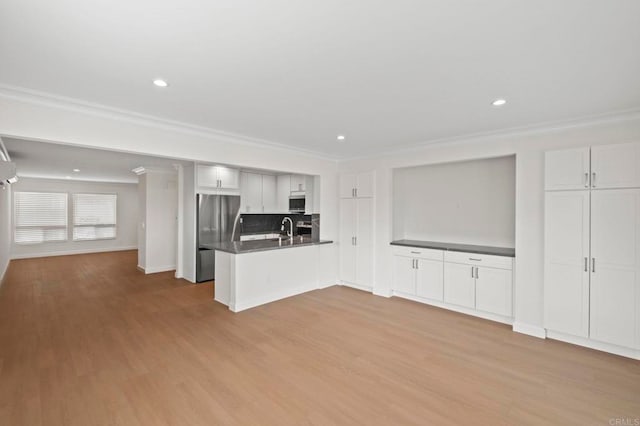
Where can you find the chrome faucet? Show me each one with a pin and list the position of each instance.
(290, 233)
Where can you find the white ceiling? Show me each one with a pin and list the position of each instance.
(54, 161)
(385, 73)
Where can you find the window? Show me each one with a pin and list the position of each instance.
(94, 216)
(40, 217)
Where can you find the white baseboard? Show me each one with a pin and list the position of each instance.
(593, 344)
(386, 293)
(356, 286)
(530, 330)
(156, 269)
(459, 309)
(3, 272)
(70, 252)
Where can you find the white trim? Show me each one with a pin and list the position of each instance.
(356, 286)
(512, 132)
(35, 97)
(386, 293)
(71, 252)
(4, 271)
(593, 344)
(157, 269)
(530, 330)
(459, 309)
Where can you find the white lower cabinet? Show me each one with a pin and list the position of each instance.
(459, 285)
(429, 279)
(494, 292)
(416, 276)
(454, 280)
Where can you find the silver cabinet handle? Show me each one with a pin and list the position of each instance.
(593, 264)
(417, 264)
(586, 264)
(353, 192)
(356, 240)
(472, 275)
(353, 241)
(413, 264)
(586, 179)
(356, 192)
(415, 252)
(593, 179)
(477, 275)
(477, 260)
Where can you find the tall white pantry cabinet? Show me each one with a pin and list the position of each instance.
(592, 246)
(356, 230)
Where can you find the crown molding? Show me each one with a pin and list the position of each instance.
(34, 97)
(511, 132)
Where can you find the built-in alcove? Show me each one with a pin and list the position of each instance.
(468, 202)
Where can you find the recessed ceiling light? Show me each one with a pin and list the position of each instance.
(67, 177)
(499, 102)
(160, 83)
(340, 137)
(76, 170)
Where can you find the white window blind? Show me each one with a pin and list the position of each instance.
(40, 217)
(94, 216)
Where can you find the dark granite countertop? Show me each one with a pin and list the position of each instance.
(240, 247)
(467, 248)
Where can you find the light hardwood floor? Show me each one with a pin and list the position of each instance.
(91, 340)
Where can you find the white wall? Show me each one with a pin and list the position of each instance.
(528, 148)
(48, 119)
(159, 223)
(5, 230)
(127, 211)
(469, 202)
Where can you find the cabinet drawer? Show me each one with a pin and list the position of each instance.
(488, 260)
(418, 253)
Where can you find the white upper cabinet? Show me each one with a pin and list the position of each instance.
(566, 270)
(218, 177)
(251, 192)
(283, 192)
(298, 183)
(615, 267)
(598, 167)
(357, 185)
(269, 194)
(615, 166)
(567, 169)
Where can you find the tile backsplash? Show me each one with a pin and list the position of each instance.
(264, 223)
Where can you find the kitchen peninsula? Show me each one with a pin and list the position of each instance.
(252, 273)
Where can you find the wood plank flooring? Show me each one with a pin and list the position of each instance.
(91, 340)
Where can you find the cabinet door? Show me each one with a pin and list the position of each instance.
(364, 184)
(269, 201)
(404, 274)
(364, 242)
(229, 178)
(459, 284)
(297, 183)
(615, 269)
(494, 291)
(348, 210)
(566, 274)
(251, 192)
(347, 185)
(430, 279)
(283, 193)
(207, 176)
(615, 166)
(566, 169)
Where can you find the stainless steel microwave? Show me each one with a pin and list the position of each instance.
(296, 204)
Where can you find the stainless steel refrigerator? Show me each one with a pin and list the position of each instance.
(216, 217)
